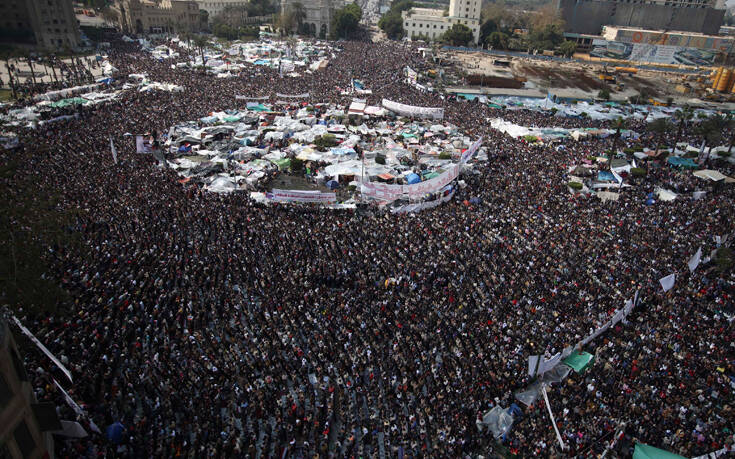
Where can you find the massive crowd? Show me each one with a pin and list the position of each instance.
(210, 325)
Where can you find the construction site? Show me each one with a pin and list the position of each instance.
(582, 78)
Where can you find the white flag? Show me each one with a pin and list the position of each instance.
(532, 362)
(667, 283)
(112, 149)
(694, 261)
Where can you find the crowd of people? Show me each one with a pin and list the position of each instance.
(211, 325)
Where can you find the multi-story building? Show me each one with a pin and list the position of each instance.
(319, 14)
(50, 24)
(158, 16)
(588, 16)
(430, 24)
(215, 7)
(23, 434)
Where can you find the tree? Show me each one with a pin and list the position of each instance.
(299, 14)
(458, 35)
(392, 24)
(497, 40)
(711, 130)
(661, 127)
(109, 15)
(346, 21)
(567, 48)
(203, 18)
(683, 115)
(547, 37)
(200, 42)
(487, 28)
(619, 125)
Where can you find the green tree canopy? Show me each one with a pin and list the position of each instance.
(498, 40)
(346, 21)
(458, 35)
(392, 24)
(567, 48)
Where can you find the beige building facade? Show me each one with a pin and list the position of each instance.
(430, 24)
(163, 16)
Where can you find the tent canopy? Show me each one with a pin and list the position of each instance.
(649, 452)
(332, 185)
(412, 178)
(579, 361)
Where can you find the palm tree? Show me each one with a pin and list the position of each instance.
(618, 124)
(660, 126)
(711, 131)
(299, 14)
(730, 125)
(683, 116)
(201, 42)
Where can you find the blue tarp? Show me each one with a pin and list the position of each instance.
(332, 185)
(115, 432)
(358, 84)
(605, 176)
(262, 62)
(412, 178)
(682, 162)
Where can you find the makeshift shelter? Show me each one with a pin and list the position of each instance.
(332, 184)
(715, 176)
(643, 451)
(412, 178)
(579, 361)
(685, 163)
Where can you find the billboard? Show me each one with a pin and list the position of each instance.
(657, 54)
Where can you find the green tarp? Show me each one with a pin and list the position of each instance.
(231, 119)
(491, 105)
(649, 452)
(579, 362)
(67, 102)
(259, 108)
(282, 163)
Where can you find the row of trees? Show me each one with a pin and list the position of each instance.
(345, 21)
(711, 129)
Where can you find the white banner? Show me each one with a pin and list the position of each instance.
(412, 110)
(293, 96)
(467, 155)
(251, 98)
(113, 150)
(142, 145)
(387, 192)
(77, 409)
(543, 366)
(419, 206)
(303, 196)
(43, 348)
(667, 283)
(694, 261)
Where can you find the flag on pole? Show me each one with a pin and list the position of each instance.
(114, 152)
(694, 261)
(667, 283)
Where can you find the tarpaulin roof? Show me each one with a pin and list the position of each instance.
(579, 362)
(412, 178)
(649, 452)
(683, 162)
(386, 176)
(713, 175)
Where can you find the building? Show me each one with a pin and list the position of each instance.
(660, 46)
(430, 24)
(158, 16)
(319, 14)
(49, 24)
(215, 7)
(589, 16)
(24, 424)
